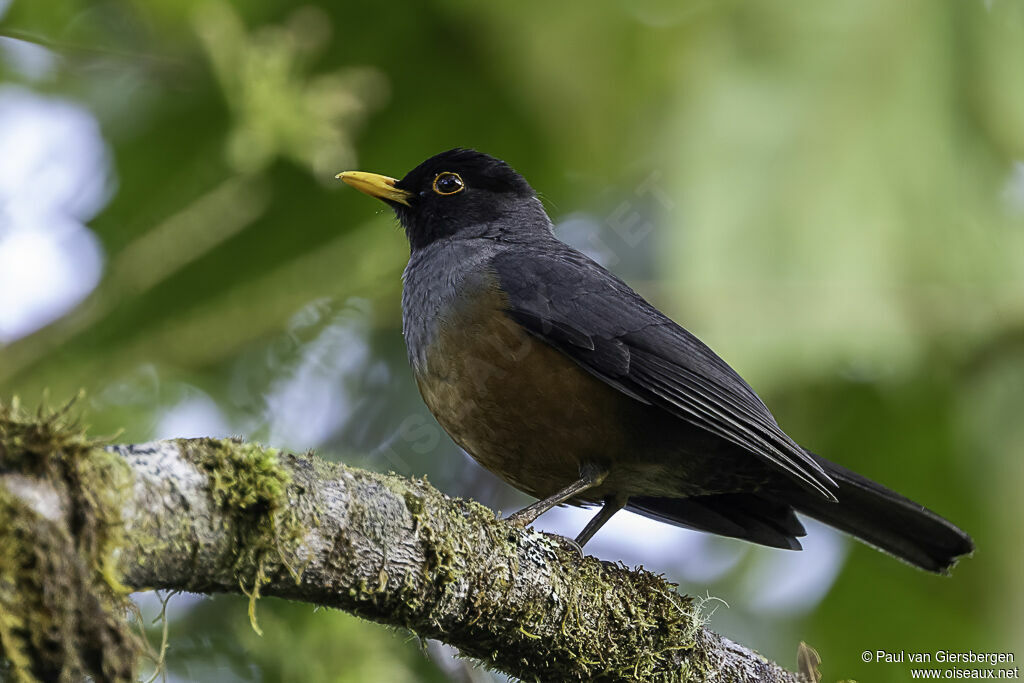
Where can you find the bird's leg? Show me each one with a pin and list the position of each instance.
(590, 476)
(612, 504)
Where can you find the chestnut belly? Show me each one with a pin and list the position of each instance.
(531, 415)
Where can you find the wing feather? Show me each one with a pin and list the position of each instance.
(563, 298)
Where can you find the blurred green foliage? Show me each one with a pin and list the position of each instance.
(830, 194)
(298, 644)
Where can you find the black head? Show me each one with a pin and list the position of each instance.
(458, 193)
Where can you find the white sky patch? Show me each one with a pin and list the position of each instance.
(194, 416)
(44, 270)
(692, 556)
(1013, 192)
(310, 403)
(30, 61)
(55, 159)
(786, 583)
(55, 174)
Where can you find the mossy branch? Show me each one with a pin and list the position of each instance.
(81, 524)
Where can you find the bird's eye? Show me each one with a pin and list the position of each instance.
(448, 183)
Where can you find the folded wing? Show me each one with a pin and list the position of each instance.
(563, 298)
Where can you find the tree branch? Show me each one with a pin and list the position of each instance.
(209, 516)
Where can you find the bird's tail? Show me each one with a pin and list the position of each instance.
(886, 520)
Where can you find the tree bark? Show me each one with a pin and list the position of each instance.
(208, 515)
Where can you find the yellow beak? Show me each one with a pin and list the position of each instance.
(379, 186)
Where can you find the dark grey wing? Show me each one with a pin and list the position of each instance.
(560, 296)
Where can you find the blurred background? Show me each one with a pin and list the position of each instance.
(829, 194)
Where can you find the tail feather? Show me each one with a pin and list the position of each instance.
(886, 520)
(868, 511)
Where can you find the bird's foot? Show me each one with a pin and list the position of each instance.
(521, 519)
(566, 542)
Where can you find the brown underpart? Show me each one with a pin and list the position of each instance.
(534, 417)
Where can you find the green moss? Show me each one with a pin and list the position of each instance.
(636, 609)
(62, 605)
(251, 487)
(414, 504)
(645, 609)
(441, 555)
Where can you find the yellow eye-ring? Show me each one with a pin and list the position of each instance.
(448, 183)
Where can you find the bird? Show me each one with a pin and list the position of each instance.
(554, 374)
